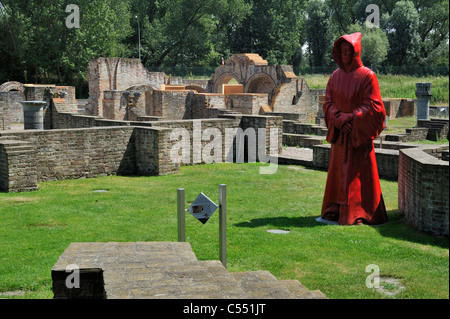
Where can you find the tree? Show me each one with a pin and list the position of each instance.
(403, 34)
(374, 44)
(433, 31)
(318, 33)
(36, 39)
(342, 14)
(191, 33)
(272, 29)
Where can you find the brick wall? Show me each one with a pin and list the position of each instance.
(206, 105)
(269, 123)
(171, 104)
(196, 138)
(5, 116)
(76, 153)
(105, 74)
(17, 169)
(246, 103)
(423, 187)
(399, 107)
(152, 152)
(10, 108)
(87, 146)
(114, 105)
(387, 160)
(88, 152)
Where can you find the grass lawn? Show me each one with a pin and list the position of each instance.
(37, 227)
(397, 86)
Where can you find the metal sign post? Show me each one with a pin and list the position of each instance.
(223, 224)
(181, 215)
(202, 209)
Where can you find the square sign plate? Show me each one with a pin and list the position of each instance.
(202, 208)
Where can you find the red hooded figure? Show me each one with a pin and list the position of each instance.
(354, 115)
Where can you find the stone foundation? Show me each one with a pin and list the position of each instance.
(387, 160)
(88, 146)
(423, 188)
(82, 153)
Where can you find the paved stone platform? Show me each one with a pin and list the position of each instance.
(164, 270)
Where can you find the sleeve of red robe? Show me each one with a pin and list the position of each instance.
(368, 118)
(330, 113)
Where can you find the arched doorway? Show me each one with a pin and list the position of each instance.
(261, 83)
(12, 86)
(225, 78)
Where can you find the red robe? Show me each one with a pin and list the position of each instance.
(353, 187)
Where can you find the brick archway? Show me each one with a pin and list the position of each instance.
(260, 83)
(250, 70)
(224, 78)
(12, 86)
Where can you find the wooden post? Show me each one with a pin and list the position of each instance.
(223, 224)
(181, 215)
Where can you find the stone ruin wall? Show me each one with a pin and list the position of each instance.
(81, 146)
(119, 74)
(423, 188)
(399, 107)
(110, 77)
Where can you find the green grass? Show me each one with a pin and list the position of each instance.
(397, 86)
(37, 227)
(400, 124)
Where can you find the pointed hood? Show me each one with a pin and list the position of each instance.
(355, 40)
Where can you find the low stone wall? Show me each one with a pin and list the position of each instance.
(423, 187)
(206, 105)
(81, 153)
(303, 128)
(411, 135)
(17, 170)
(88, 146)
(271, 125)
(246, 103)
(171, 104)
(387, 160)
(399, 107)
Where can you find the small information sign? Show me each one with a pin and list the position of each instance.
(202, 208)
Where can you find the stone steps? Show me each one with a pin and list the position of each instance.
(17, 146)
(164, 270)
(302, 140)
(22, 172)
(11, 142)
(263, 285)
(437, 128)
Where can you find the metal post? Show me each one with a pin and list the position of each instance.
(139, 35)
(223, 224)
(181, 215)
